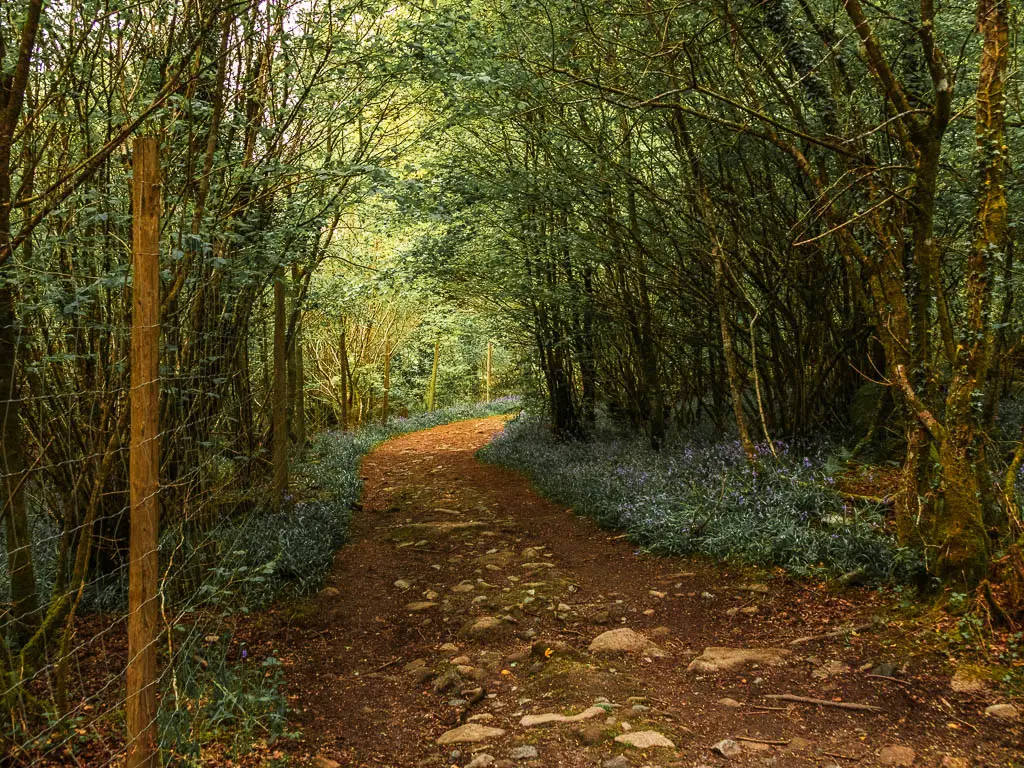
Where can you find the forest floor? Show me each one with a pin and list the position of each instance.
(465, 606)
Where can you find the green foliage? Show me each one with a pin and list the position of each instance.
(218, 693)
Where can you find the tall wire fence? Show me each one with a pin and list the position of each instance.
(65, 482)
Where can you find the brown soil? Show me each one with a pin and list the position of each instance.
(360, 699)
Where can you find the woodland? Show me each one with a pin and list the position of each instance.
(756, 250)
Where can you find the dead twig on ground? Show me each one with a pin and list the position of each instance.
(828, 635)
(825, 702)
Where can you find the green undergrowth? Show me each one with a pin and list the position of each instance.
(705, 498)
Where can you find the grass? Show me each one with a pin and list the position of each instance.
(704, 498)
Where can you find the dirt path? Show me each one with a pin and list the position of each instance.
(466, 601)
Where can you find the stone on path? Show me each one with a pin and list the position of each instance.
(624, 640)
(486, 628)
(834, 667)
(1005, 712)
(718, 659)
(727, 748)
(619, 761)
(729, 703)
(897, 755)
(403, 584)
(419, 605)
(483, 760)
(330, 592)
(525, 752)
(531, 721)
(644, 740)
(965, 682)
(470, 733)
(325, 762)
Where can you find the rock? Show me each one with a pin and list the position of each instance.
(964, 681)
(419, 605)
(832, 668)
(460, 660)
(885, 669)
(504, 763)
(415, 664)
(624, 640)
(486, 628)
(430, 595)
(403, 584)
(1006, 712)
(325, 762)
(619, 761)
(727, 748)
(656, 593)
(330, 592)
(449, 681)
(448, 648)
(760, 589)
(644, 740)
(749, 610)
(591, 734)
(729, 703)
(483, 760)
(898, 755)
(483, 717)
(470, 733)
(463, 587)
(525, 752)
(707, 596)
(532, 721)
(718, 659)
(531, 553)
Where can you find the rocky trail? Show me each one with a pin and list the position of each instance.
(471, 623)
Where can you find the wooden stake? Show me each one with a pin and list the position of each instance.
(144, 454)
(280, 393)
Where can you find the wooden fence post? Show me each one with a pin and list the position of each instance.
(144, 454)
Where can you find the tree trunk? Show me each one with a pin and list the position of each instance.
(279, 404)
(432, 390)
(387, 380)
(25, 602)
(343, 354)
